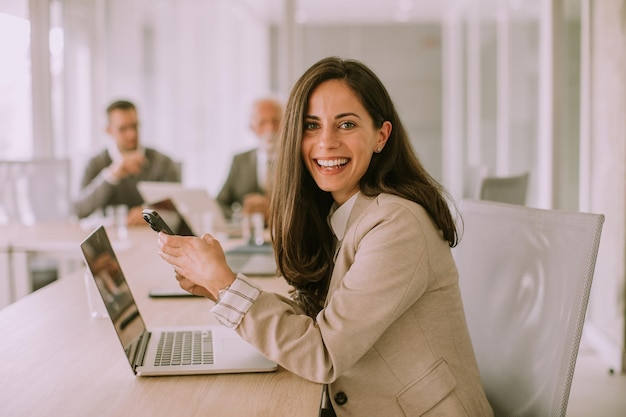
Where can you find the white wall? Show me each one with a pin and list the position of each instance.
(407, 58)
(608, 176)
(193, 69)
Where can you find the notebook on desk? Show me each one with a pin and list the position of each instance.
(164, 351)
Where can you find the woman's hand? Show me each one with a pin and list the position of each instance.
(192, 288)
(199, 263)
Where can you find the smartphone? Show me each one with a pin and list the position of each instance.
(156, 222)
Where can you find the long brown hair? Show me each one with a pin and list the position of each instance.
(302, 238)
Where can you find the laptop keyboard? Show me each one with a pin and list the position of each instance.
(184, 348)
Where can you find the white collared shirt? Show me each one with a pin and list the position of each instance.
(339, 215)
(338, 221)
(262, 167)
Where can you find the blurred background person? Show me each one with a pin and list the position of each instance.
(247, 183)
(110, 178)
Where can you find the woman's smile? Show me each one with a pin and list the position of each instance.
(331, 164)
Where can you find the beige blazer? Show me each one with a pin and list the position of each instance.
(392, 340)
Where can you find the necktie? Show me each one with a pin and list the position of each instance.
(269, 173)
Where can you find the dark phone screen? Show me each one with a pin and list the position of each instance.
(170, 215)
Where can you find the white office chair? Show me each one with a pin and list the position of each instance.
(36, 191)
(525, 277)
(510, 190)
(473, 179)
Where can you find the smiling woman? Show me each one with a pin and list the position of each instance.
(351, 140)
(374, 271)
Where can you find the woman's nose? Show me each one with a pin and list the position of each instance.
(327, 139)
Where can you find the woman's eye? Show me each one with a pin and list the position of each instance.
(310, 125)
(347, 125)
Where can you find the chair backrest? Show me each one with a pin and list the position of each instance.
(473, 180)
(35, 191)
(510, 190)
(525, 276)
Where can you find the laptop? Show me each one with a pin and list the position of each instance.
(192, 203)
(164, 351)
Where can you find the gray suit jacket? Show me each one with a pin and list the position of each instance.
(96, 193)
(392, 340)
(242, 180)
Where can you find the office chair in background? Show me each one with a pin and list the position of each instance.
(32, 192)
(473, 176)
(35, 191)
(525, 276)
(510, 190)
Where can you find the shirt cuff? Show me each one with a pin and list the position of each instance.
(235, 302)
(109, 177)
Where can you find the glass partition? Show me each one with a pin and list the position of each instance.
(16, 135)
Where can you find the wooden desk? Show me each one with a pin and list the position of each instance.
(62, 362)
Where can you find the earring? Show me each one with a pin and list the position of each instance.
(378, 150)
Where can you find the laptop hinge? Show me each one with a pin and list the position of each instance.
(140, 353)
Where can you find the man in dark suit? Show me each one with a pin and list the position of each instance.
(248, 180)
(111, 176)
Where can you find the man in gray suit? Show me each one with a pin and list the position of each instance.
(111, 176)
(248, 180)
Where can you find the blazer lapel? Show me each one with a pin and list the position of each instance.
(360, 207)
(252, 173)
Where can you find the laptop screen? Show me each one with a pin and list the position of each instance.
(192, 203)
(113, 287)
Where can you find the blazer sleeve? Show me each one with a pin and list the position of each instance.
(241, 180)
(225, 198)
(94, 191)
(389, 273)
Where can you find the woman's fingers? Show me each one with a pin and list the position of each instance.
(174, 249)
(207, 237)
(185, 283)
(172, 245)
(192, 288)
(196, 261)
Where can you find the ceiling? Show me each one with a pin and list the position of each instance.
(383, 11)
(360, 11)
(353, 11)
(321, 11)
(17, 8)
